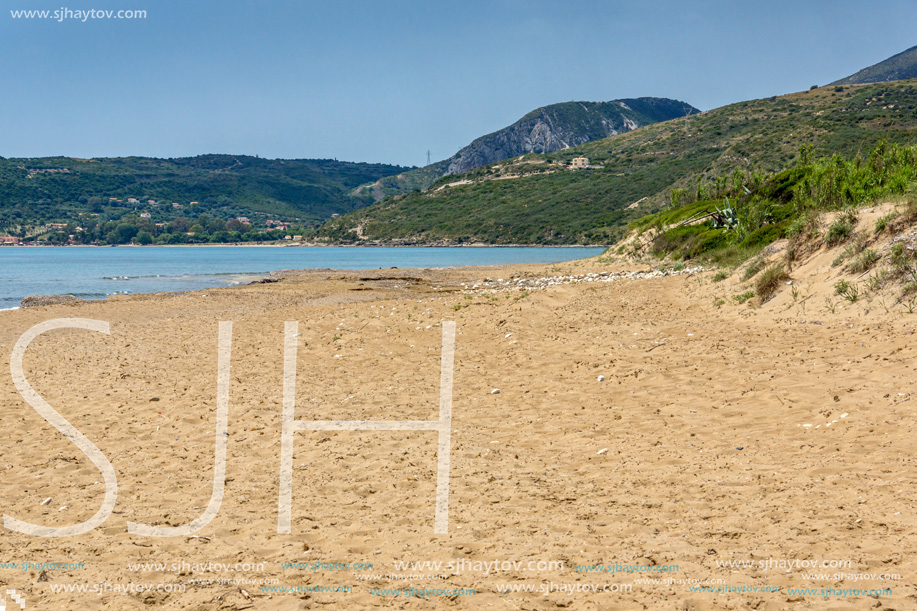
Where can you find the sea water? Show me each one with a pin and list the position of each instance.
(97, 272)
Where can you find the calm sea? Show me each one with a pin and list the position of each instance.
(95, 273)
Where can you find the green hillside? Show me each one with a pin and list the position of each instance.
(537, 200)
(58, 189)
(412, 180)
(743, 213)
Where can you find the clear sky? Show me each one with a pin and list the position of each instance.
(386, 80)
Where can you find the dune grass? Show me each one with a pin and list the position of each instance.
(750, 210)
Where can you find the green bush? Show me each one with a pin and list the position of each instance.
(838, 232)
(864, 261)
(743, 297)
(883, 222)
(765, 235)
(769, 281)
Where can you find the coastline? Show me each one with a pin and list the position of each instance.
(315, 245)
(93, 273)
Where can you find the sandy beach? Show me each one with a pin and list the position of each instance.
(644, 440)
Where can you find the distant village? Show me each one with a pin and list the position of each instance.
(164, 222)
(159, 222)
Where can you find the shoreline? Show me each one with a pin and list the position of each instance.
(242, 279)
(308, 245)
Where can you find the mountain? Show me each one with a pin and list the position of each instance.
(536, 199)
(895, 68)
(306, 190)
(544, 130)
(560, 126)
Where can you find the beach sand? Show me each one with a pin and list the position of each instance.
(773, 436)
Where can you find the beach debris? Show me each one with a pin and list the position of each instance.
(35, 301)
(602, 451)
(491, 285)
(828, 424)
(46, 501)
(507, 336)
(63, 508)
(601, 378)
(495, 391)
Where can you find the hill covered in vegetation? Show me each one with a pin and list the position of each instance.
(537, 199)
(744, 212)
(60, 189)
(544, 130)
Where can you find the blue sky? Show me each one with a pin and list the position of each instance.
(386, 80)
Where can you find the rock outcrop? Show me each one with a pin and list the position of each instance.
(895, 68)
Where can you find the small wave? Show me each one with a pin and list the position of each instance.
(186, 275)
(92, 295)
